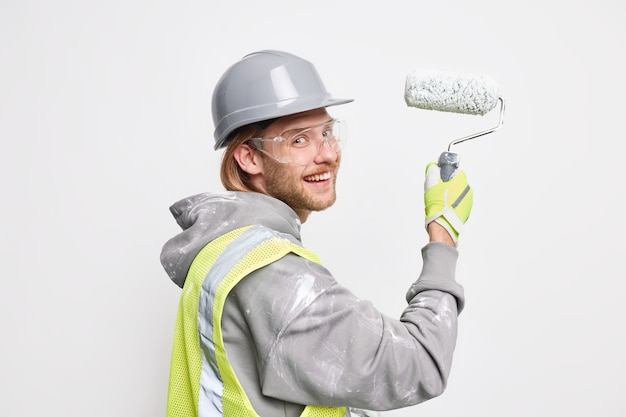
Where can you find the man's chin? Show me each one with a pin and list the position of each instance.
(323, 205)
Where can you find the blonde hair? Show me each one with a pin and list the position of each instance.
(233, 177)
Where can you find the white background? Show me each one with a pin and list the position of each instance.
(105, 122)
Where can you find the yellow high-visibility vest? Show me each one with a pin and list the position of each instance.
(214, 272)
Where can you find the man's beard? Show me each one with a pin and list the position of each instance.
(286, 184)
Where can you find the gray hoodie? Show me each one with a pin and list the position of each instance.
(296, 336)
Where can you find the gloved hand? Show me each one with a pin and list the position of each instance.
(447, 203)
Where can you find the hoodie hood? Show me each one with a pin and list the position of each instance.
(204, 217)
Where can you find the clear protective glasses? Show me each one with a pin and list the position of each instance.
(301, 146)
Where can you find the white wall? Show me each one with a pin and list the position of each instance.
(105, 121)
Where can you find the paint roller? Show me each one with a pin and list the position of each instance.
(453, 92)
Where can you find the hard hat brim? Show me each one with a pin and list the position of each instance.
(279, 109)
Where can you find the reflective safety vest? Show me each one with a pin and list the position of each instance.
(202, 381)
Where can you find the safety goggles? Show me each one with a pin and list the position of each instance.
(301, 146)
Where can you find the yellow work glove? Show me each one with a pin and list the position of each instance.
(447, 203)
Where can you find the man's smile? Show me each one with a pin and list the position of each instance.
(318, 177)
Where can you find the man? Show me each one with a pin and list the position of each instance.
(263, 328)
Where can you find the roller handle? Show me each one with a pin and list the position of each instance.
(448, 164)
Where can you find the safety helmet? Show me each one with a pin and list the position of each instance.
(265, 85)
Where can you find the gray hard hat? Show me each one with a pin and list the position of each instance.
(266, 85)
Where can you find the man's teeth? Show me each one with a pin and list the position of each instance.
(319, 177)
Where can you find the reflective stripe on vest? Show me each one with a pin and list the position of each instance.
(202, 381)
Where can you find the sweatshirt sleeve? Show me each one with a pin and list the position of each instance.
(335, 349)
(438, 273)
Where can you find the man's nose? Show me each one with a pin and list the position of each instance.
(325, 151)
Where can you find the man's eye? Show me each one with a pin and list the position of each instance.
(300, 141)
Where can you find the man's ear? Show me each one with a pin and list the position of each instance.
(248, 159)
